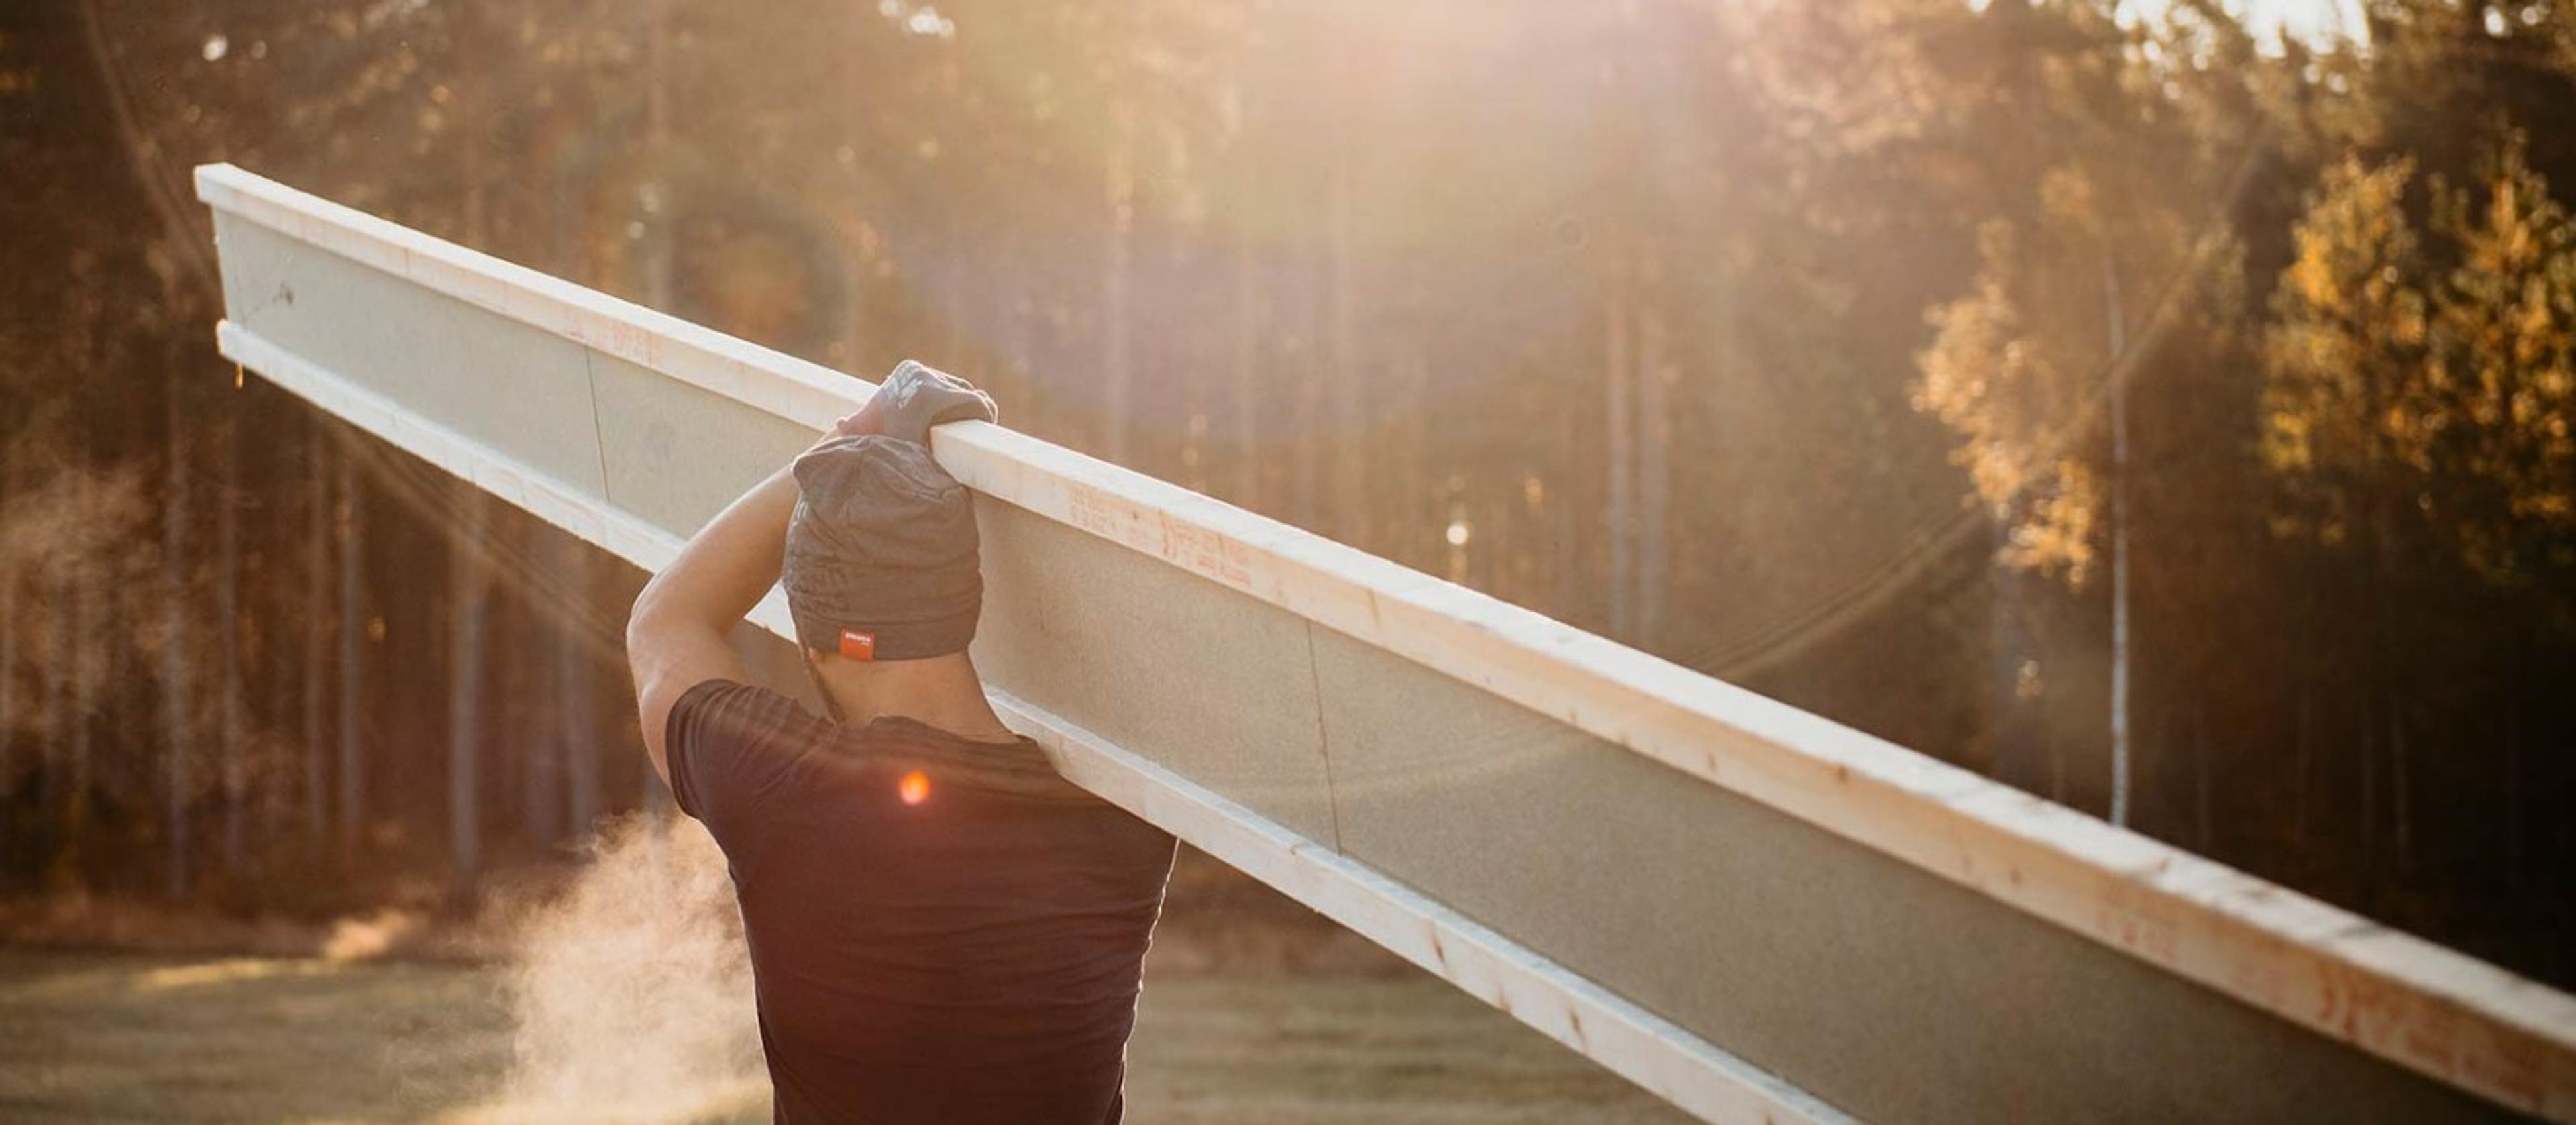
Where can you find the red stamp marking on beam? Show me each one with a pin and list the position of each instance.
(2377, 1015)
(620, 339)
(1205, 552)
(1196, 549)
(1111, 518)
(2137, 922)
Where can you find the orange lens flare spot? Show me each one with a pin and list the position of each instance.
(914, 788)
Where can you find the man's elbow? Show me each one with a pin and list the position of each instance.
(637, 616)
(648, 621)
(659, 628)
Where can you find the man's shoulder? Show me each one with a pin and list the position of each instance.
(730, 706)
(728, 737)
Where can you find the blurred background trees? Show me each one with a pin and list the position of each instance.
(2128, 401)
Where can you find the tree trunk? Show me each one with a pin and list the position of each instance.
(2006, 645)
(1013, 301)
(61, 636)
(1566, 517)
(954, 334)
(465, 696)
(1247, 326)
(2512, 776)
(274, 768)
(1654, 463)
(353, 665)
(2306, 757)
(658, 288)
(2378, 655)
(317, 642)
(236, 772)
(1619, 398)
(542, 751)
(2200, 769)
(2400, 782)
(8, 696)
(1349, 446)
(83, 670)
(2369, 799)
(1247, 385)
(573, 692)
(1410, 487)
(126, 671)
(2308, 763)
(1118, 183)
(2120, 555)
(112, 741)
(174, 645)
(1305, 444)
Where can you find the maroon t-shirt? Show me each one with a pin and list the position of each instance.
(941, 930)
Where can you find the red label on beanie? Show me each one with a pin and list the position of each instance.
(856, 645)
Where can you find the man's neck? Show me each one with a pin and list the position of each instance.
(942, 692)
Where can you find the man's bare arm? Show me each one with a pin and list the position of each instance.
(678, 634)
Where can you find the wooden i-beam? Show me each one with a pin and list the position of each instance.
(1753, 912)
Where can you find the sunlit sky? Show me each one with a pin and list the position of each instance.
(2315, 20)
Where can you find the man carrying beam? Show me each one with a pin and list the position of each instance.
(941, 928)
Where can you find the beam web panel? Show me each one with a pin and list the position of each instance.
(1887, 992)
(493, 380)
(1220, 686)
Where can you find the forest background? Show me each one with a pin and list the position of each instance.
(2161, 416)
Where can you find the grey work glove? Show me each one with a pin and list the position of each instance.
(918, 396)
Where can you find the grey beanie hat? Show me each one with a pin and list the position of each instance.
(881, 552)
